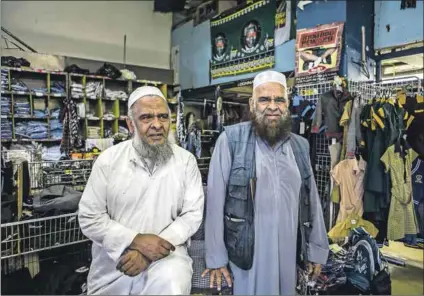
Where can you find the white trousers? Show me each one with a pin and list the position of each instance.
(169, 276)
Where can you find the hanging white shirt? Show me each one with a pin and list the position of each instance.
(122, 198)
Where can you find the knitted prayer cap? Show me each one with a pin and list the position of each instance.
(270, 76)
(144, 91)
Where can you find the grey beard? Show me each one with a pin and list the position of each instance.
(272, 134)
(159, 154)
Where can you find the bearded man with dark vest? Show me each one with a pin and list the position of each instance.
(263, 212)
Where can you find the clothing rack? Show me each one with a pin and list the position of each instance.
(201, 102)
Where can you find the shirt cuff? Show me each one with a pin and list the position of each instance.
(117, 239)
(174, 233)
(212, 263)
(317, 254)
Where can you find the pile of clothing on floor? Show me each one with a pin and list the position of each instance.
(93, 90)
(77, 90)
(4, 80)
(5, 105)
(61, 271)
(31, 130)
(116, 95)
(22, 108)
(6, 129)
(355, 268)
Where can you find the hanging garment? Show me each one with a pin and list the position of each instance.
(181, 128)
(302, 112)
(418, 192)
(398, 164)
(335, 155)
(350, 120)
(329, 110)
(71, 138)
(349, 174)
(194, 140)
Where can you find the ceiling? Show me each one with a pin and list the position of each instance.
(409, 65)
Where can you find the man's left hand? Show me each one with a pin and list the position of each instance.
(132, 263)
(314, 270)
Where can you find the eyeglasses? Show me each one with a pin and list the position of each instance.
(268, 100)
(148, 118)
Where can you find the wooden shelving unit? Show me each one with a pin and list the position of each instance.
(46, 100)
(100, 112)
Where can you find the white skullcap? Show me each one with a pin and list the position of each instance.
(144, 91)
(269, 76)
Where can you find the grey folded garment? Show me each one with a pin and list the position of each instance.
(57, 198)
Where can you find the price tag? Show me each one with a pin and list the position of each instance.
(38, 94)
(57, 95)
(68, 172)
(302, 128)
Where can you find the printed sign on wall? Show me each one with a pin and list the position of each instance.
(318, 53)
(243, 41)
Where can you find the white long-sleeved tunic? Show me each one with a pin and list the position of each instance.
(122, 198)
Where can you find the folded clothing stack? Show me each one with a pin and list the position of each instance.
(56, 129)
(93, 89)
(109, 116)
(57, 87)
(22, 108)
(77, 90)
(6, 129)
(31, 130)
(5, 106)
(4, 80)
(51, 153)
(116, 95)
(40, 113)
(128, 75)
(40, 91)
(18, 86)
(55, 113)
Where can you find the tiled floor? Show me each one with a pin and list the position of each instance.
(406, 280)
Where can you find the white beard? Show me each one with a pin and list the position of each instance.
(158, 154)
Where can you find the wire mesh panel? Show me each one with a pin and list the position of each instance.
(312, 92)
(73, 173)
(35, 235)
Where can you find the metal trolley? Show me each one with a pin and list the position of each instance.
(22, 241)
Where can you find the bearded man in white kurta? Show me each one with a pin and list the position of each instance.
(143, 201)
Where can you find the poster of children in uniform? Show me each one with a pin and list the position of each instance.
(318, 52)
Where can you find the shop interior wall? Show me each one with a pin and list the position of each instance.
(195, 52)
(353, 39)
(195, 49)
(321, 13)
(93, 29)
(406, 26)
